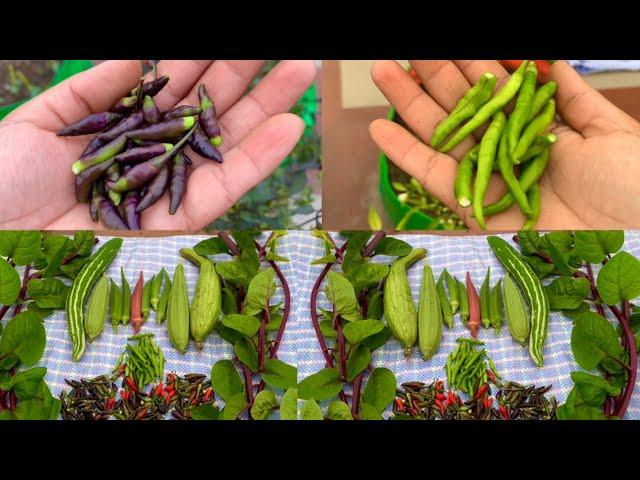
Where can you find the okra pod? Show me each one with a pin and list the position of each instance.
(155, 189)
(94, 123)
(102, 154)
(141, 154)
(125, 311)
(464, 302)
(161, 312)
(474, 307)
(115, 305)
(484, 300)
(172, 128)
(447, 315)
(495, 306)
(136, 304)
(202, 146)
(156, 285)
(429, 315)
(178, 182)
(208, 119)
(150, 112)
(452, 285)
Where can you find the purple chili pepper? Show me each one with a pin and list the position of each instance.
(102, 154)
(208, 118)
(93, 204)
(92, 146)
(131, 216)
(110, 215)
(160, 131)
(151, 113)
(153, 87)
(140, 154)
(87, 178)
(178, 182)
(125, 105)
(202, 146)
(155, 189)
(132, 121)
(94, 123)
(181, 111)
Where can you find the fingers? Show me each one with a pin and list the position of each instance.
(443, 80)
(213, 188)
(95, 90)
(474, 69)
(183, 74)
(585, 109)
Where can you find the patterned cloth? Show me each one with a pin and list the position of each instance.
(591, 66)
(458, 254)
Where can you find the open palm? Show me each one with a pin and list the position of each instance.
(37, 188)
(591, 179)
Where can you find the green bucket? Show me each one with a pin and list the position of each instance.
(67, 69)
(395, 209)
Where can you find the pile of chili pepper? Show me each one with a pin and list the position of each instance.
(512, 401)
(466, 367)
(138, 153)
(142, 361)
(100, 399)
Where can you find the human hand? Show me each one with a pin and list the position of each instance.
(591, 179)
(37, 188)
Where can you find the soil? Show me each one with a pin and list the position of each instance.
(38, 73)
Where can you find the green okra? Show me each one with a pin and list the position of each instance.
(146, 297)
(452, 285)
(464, 302)
(164, 299)
(429, 316)
(447, 314)
(125, 307)
(115, 305)
(495, 306)
(484, 300)
(97, 309)
(156, 285)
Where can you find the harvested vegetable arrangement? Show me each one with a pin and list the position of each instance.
(517, 143)
(138, 153)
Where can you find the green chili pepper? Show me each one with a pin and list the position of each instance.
(535, 128)
(146, 298)
(542, 96)
(489, 109)
(156, 285)
(528, 178)
(464, 177)
(466, 107)
(487, 153)
(447, 314)
(484, 300)
(464, 302)
(520, 115)
(540, 144)
(125, 311)
(495, 306)
(534, 200)
(471, 341)
(115, 305)
(509, 177)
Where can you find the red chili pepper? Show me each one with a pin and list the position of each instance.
(158, 390)
(208, 394)
(169, 388)
(121, 369)
(131, 384)
(399, 404)
(504, 412)
(491, 376)
(125, 394)
(452, 398)
(440, 406)
(439, 386)
(141, 414)
(110, 403)
(487, 402)
(440, 396)
(544, 66)
(170, 395)
(481, 391)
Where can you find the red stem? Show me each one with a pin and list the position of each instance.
(262, 337)
(248, 387)
(314, 315)
(594, 290)
(624, 319)
(226, 238)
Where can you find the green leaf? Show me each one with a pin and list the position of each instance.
(555, 243)
(238, 272)
(83, 241)
(264, 403)
(24, 336)
(23, 247)
(229, 304)
(278, 374)
(72, 268)
(593, 246)
(358, 360)
(289, 405)
(56, 260)
(247, 325)
(340, 292)
(380, 389)
(205, 412)
(228, 334)
(321, 385)
(367, 275)
(392, 247)
(43, 406)
(329, 258)
(369, 412)
(541, 268)
(593, 338)
(310, 411)
(225, 379)
(275, 320)
(261, 289)
(576, 409)
(26, 384)
(619, 279)
(529, 240)
(234, 406)
(326, 327)
(246, 353)
(339, 411)
(567, 293)
(48, 292)
(357, 331)
(378, 340)
(9, 283)
(211, 246)
(355, 244)
(375, 305)
(593, 389)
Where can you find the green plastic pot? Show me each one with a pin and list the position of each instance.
(395, 209)
(67, 69)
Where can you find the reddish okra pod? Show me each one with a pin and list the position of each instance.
(94, 123)
(102, 154)
(178, 181)
(85, 180)
(208, 118)
(142, 173)
(155, 189)
(202, 146)
(110, 215)
(474, 308)
(94, 203)
(132, 121)
(182, 111)
(153, 87)
(130, 215)
(151, 113)
(93, 145)
(160, 131)
(141, 154)
(136, 307)
(125, 104)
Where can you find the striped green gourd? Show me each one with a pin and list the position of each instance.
(80, 289)
(530, 285)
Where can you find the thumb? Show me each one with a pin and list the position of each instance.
(92, 91)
